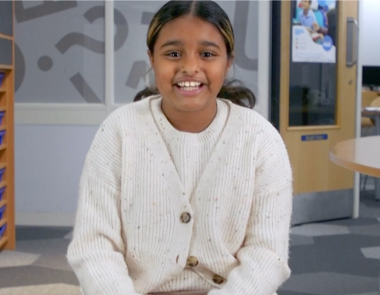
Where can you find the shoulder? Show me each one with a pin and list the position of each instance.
(131, 114)
(127, 119)
(249, 117)
(255, 128)
(130, 109)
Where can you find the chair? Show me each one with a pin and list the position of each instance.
(368, 98)
(375, 103)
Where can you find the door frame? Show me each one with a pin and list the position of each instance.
(283, 107)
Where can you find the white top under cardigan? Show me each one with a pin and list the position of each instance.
(129, 238)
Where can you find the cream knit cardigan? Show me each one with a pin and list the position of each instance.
(129, 238)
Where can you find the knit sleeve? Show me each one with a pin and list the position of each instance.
(263, 259)
(96, 252)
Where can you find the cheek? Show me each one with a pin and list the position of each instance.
(163, 78)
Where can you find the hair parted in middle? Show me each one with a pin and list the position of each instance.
(212, 13)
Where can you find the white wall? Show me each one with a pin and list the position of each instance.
(48, 165)
(369, 28)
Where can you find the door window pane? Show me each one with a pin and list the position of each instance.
(59, 52)
(313, 70)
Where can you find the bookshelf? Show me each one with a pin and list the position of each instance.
(7, 210)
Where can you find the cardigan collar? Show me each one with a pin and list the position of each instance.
(218, 156)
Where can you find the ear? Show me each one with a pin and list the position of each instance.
(150, 58)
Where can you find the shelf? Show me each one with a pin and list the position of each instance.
(3, 36)
(3, 184)
(6, 67)
(3, 241)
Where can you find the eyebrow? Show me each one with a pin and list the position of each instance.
(209, 43)
(178, 42)
(172, 42)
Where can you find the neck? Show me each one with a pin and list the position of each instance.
(190, 121)
(305, 11)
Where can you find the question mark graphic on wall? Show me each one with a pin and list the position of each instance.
(91, 44)
(20, 67)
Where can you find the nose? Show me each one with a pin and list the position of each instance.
(190, 64)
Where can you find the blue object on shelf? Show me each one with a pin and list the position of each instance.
(1, 117)
(2, 174)
(2, 209)
(2, 230)
(2, 135)
(2, 76)
(2, 190)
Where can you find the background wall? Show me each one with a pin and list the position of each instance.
(369, 28)
(48, 165)
(64, 65)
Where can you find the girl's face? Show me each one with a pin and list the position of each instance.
(190, 63)
(305, 4)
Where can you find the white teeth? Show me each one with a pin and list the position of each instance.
(189, 83)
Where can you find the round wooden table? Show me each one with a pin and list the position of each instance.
(360, 155)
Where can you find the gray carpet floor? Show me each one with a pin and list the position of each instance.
(339, 257)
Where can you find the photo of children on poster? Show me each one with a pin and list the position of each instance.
(313, 31)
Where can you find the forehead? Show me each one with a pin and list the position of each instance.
(191, 28)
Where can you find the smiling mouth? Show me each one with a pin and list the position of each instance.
(189, 85)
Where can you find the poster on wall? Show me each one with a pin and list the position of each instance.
(314, 31)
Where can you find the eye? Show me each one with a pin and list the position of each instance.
(207, 54)
(174, 54)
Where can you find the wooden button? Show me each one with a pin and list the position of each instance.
(217, 279)
(192, 261)
(185, 217)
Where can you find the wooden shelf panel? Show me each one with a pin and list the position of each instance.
(3, 241)
(3, 221)
(7, 148)
(3, 184)
(6, 36)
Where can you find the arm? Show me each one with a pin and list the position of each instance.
(263, 265)
(96, 252)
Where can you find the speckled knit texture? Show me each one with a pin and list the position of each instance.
(128, 236)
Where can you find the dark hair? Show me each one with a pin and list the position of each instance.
(215, 15)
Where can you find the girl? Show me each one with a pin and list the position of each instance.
(185, 191)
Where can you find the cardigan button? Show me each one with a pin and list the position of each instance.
(217, 279)
(185, 217)
(192, 261)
